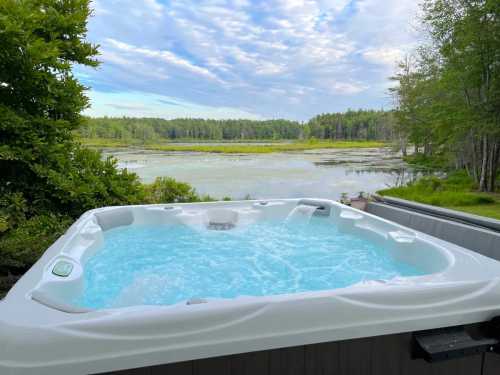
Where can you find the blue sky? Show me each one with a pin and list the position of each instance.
(245, 58)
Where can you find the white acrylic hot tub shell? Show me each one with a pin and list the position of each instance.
(38, 339)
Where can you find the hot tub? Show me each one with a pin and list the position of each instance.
(137, 286)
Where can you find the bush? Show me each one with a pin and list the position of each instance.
(82, 181)
(13, 208)
(35, 211)
(460, 181)
(168, 190)
(23, 245)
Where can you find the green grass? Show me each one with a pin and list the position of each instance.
(234, 148)
(489, 210)
(264, 149)
(454, 192)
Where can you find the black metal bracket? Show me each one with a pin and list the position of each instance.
(455, 342)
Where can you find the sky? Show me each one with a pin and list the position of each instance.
(256, 59)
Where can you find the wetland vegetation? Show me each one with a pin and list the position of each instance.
(236, 148)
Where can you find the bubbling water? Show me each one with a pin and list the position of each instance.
(163, 265)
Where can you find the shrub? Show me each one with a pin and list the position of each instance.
(168, 190)
(460, 181)
(23, 245)
(82, 181)
(13, 208)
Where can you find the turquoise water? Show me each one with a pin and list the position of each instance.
(162, 265)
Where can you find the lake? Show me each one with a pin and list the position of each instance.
(316, 173)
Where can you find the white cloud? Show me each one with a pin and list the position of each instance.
(135, 66)
(269, 68)
(141, 13)
(99, 9)
(164, 55)
(154, 6)
(151, 105)
(147, 9)
(241, 3)
(348, 88)
(383, 55)
(323, 55)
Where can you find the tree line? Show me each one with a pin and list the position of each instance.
(448, 92)
(351, 125)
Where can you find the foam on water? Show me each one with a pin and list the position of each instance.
(162, 265)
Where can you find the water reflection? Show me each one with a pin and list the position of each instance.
(399, 176)
(316, 173)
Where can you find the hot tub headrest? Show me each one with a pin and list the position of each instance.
(221, 218)
(114, 218)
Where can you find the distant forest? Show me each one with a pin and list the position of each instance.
(351, 125)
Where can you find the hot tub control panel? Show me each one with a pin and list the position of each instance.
(62, 268)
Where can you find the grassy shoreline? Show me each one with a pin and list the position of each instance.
(457, 192)
(233, 147)
(491, 210)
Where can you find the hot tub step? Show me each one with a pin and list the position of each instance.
(449, 343)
